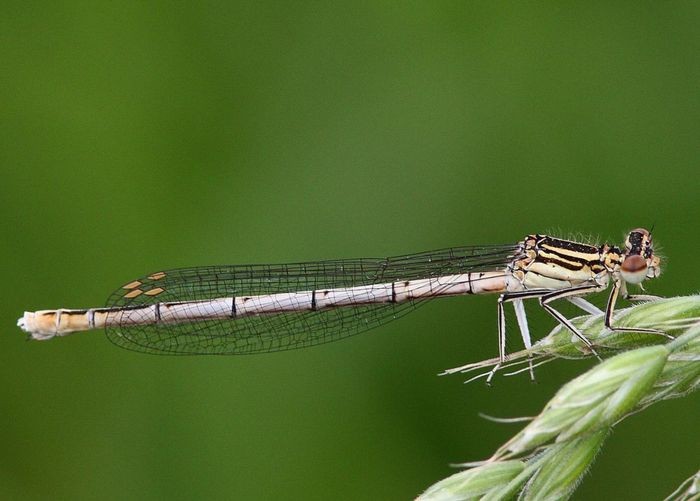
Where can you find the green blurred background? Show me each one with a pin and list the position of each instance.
(142, 136)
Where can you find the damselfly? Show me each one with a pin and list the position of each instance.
(263, 308)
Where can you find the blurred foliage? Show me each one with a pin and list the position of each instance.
(141, 136)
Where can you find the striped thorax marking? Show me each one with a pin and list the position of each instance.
(556, 263)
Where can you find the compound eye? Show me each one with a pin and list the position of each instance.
(634, 264)
(634, 269)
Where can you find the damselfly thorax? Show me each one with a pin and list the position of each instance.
(243, 309)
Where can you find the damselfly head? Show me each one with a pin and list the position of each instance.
(638, 260)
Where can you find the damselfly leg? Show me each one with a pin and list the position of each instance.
(545, 297)
(618, 288)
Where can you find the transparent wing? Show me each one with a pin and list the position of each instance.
(285, 331)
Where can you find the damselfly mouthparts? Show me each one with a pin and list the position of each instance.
(263, 308)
